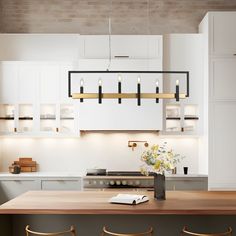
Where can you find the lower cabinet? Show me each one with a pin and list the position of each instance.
(11, 188)
(187, 184)
(61, 184)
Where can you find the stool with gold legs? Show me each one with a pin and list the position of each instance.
(147, 233)
(71, 232)
(186, 232)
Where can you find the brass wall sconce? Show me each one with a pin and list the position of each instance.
(133, 144)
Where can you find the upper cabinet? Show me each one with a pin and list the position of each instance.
(123, 47)
(184, 52)
(8, 82)
(222, 33)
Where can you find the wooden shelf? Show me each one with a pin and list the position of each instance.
(191, 118)
(173, 118)
(7, 118)
(26, 118)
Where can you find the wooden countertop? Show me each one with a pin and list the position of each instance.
(96, 202)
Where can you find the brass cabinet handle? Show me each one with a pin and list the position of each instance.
(57, 129)
(15, 129)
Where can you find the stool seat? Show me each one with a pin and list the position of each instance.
(71, 232)
(147, 233)
(186, 232)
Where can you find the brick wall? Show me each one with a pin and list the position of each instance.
(91, 16)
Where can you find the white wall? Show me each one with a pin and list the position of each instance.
(108, 150)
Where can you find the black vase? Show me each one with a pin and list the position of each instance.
(160, 187)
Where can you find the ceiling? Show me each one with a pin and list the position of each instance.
(91, 16)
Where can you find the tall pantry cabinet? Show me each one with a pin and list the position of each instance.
(219, 33)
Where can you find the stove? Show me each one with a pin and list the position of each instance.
(118, 180)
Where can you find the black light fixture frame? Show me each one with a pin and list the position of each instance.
(186, 73)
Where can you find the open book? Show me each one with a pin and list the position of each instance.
(131, 199)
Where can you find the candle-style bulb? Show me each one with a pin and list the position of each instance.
(139, 79)
(100, 82)
(157, 83)
(82, 82)
(177, 82)
(119, 78)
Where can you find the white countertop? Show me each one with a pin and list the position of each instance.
(43, 174)
(77, 174)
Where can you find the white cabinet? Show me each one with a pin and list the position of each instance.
(123, 46)
(96, 46)
(184, 52)
(125, 116)
(8, 82)
(49, 83)
(28, 75)
(223, 72)
(219, 32)
(11, 188)
(223, 33)
(61, 184)
(222, 142)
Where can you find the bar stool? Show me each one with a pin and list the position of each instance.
(147, 233)
(227, 233)
(71, 232)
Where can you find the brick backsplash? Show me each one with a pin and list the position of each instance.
(91, 16)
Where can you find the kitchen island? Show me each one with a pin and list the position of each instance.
(49, 210)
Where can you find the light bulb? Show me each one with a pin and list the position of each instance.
(139, 79)
(82, 82)
(119, 78)
(100, 81)
(157, 83)
(177, 82)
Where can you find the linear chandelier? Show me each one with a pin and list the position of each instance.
(99, 95)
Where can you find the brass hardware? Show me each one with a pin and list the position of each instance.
(71, 231)
(57, 129)
(127, 95)
(133, 144)
(186, 232)
(15, 130)
(147, 233)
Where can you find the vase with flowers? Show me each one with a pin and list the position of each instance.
(157, 160)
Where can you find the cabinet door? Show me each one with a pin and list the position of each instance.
(96, 46)
(222, 160)
(8, 82)
(223, 81)
(13, 188)
(224, 33)
(189, 185)
(136, 46)
(49, 83)
(61, 184)
(28, 77)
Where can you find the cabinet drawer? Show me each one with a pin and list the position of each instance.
(61, 184)
(12, 188)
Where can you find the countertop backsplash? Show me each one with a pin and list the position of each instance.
(95, 150)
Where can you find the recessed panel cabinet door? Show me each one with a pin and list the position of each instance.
(28, 75)
(8, 82)
(49, 83)
(223, 33)
(223, 82)
(222, 143)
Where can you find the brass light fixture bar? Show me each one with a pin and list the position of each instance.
(119, 95)
(127, 95)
